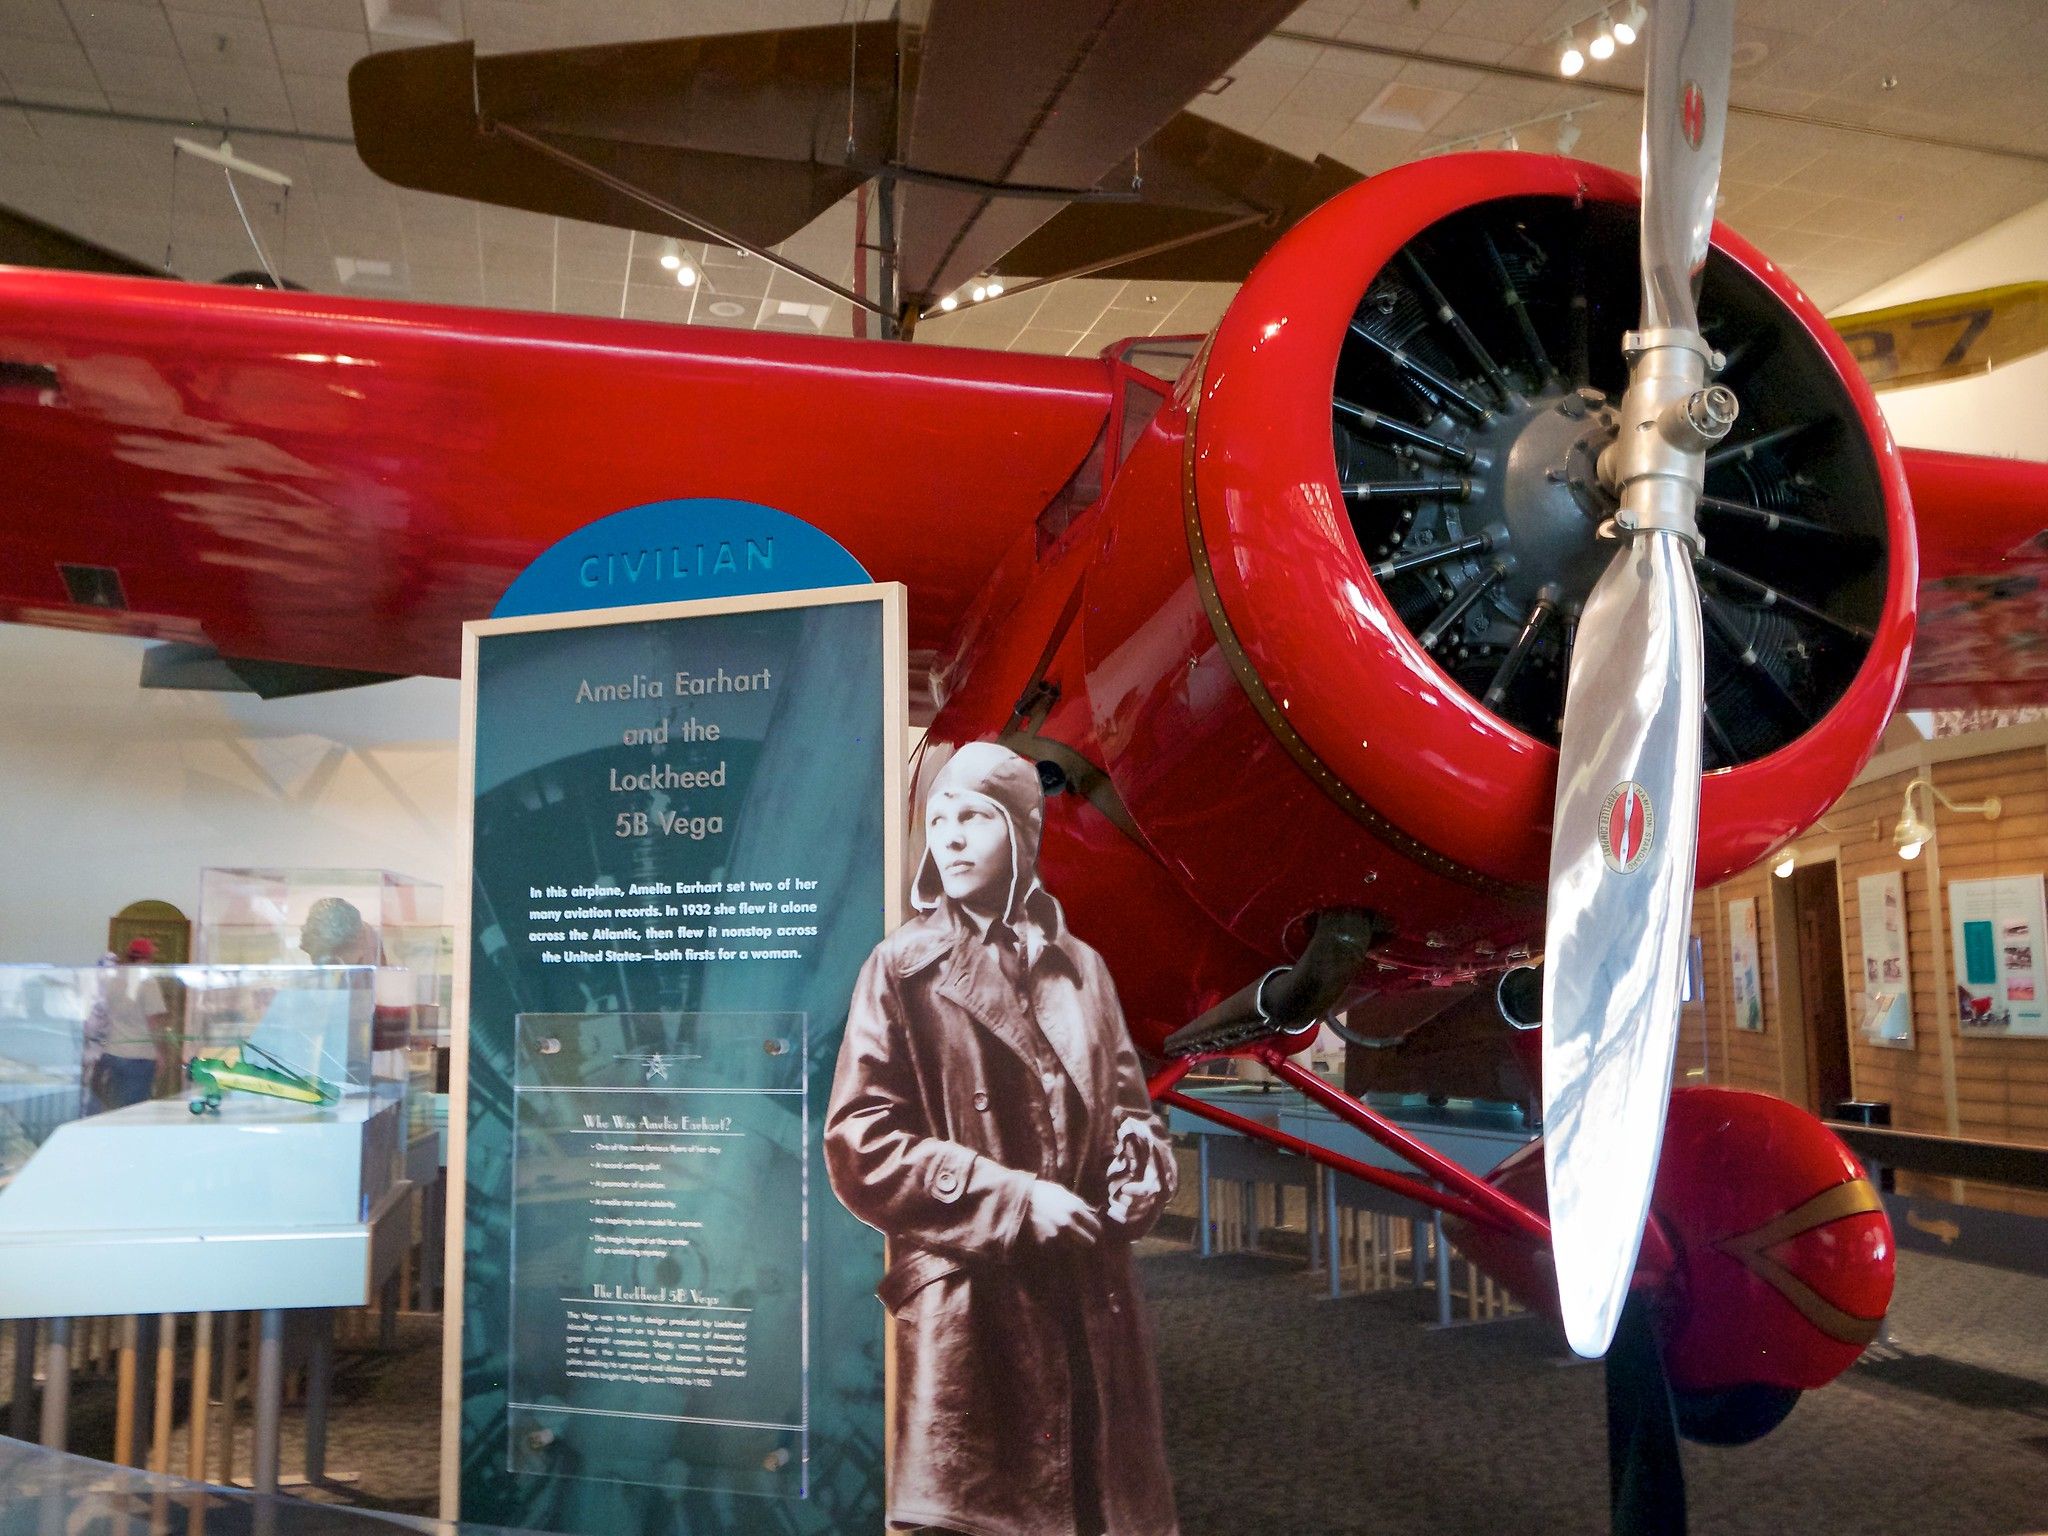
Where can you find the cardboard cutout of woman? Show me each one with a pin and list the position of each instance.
(990, 1117)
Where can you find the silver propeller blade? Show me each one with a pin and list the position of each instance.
(1621, 870)
(1685, 118)
(1626, 830)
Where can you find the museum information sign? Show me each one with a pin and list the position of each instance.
(1998, 928)
(685, 840)
(1887, 968)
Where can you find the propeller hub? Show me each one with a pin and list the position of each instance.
(1547, 495)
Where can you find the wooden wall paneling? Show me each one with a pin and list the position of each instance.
(2001, 1084)
(1944, 1082)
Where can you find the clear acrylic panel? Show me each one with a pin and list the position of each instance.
(660, 1318)
(335, 916)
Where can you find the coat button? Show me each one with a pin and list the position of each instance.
(946, 1182)
(980, 1098)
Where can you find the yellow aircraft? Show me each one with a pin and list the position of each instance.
(1947, 338)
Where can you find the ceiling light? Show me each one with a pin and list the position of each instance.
(979, 292)
(950, 303)
(1571, 61)
(995, 287)
(686, 275)
(1602, 46)
(1567, 135)
(671, 257)
(1630, 27)
(1787, 862)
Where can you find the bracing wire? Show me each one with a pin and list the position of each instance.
(171, 230)
(250, 229)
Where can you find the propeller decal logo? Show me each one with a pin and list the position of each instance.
(1628, 825)
(1692, 114)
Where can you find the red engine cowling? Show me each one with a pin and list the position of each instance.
(1290, 659)
(1780, 1257)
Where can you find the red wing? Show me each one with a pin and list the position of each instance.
(1982, 637)
(343, 483)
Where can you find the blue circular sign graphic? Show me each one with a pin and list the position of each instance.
(668, 551)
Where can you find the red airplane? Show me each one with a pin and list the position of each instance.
(1300, 640)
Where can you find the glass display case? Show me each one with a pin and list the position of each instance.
(336, 917)
(168, 1103)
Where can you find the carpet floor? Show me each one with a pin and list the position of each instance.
(1291, 1415)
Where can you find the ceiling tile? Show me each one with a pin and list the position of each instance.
(1341, 94)
(513, 224)
(146, 77)
(336, 15)
(1385, 32)
(603, 267)
(218, 41)
(129, 27)
(318, 50)
(428, 214)
(601, 241)
(1201, 308)
(254, 97)
(43, 19)
(35, 67)
(574, 296)
(1799, 18)
(438, 251)
(1077, 304)
(319, 103)
(236, 8)
(521, 262)
(1041, 339)
(1369, 149)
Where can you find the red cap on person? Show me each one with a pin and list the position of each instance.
(140, 950)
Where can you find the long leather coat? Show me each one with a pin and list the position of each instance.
(950, 1100)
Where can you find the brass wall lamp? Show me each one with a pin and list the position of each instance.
(1913, 830)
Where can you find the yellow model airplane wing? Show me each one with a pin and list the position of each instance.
(1946, 338)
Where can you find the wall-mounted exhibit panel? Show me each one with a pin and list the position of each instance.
(1998, 927)
(1886, 1014)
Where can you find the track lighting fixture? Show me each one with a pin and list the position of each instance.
(1603, 32)
(1602, 46)
(1509, 135)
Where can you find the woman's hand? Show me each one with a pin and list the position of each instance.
(1059, 1216)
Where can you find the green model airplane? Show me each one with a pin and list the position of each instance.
(215, 1078)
